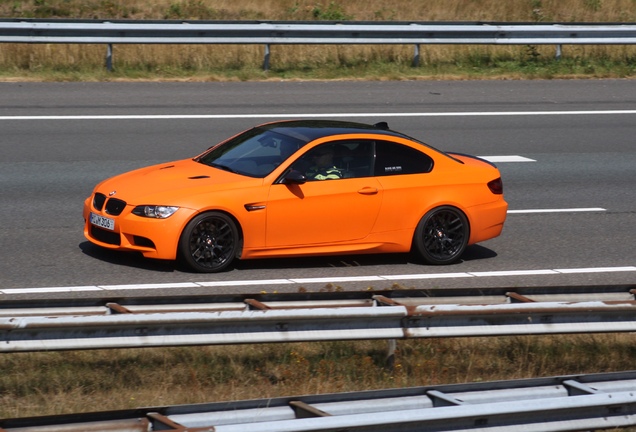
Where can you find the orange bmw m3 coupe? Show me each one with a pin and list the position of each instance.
(301, 188)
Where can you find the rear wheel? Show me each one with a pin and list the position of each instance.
(442, 235)
(209, 242)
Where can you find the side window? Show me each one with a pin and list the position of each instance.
(338, 159)
(319, 163)
(355, 158)
(395, 159)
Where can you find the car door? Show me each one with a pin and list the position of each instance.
(324, 211)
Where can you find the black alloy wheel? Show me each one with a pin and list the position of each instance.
(442, 235)
(209, 242)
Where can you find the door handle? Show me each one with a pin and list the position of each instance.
(368, 191)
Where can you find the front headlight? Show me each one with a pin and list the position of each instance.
(155, 211)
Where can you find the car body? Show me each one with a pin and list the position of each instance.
(252, 196)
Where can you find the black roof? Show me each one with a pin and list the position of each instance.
(309, 130)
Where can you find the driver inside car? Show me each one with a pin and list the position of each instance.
(323, 167)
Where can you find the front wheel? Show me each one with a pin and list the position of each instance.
(442, 235)
(209, 242)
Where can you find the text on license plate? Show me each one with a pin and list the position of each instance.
(102, 221)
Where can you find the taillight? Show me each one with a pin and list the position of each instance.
(496, 186)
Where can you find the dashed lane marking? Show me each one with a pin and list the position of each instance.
(512, 158)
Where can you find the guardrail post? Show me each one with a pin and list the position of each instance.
(390, 355)
(416, 56)
(266, 59)
(558, 52)
(109, 57)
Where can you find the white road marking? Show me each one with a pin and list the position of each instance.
(246, 282)
(563, 210)
(313, 115)
(150, 286)
(595, 270)
(512, 158)
(322, 280)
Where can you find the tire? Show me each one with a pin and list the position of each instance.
(209, 242)
(441, 235)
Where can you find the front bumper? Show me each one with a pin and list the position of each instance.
(154, 238)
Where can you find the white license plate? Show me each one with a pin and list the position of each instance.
(102, 222)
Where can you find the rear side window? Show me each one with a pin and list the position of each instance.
(395, 159)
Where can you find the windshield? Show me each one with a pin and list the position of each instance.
(255, 152)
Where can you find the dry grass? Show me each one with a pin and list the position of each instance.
(360, 10)
(243, 62)
(82, 381)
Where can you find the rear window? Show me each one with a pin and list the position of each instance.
(395, 159)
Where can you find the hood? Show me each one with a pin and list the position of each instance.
(172, 183)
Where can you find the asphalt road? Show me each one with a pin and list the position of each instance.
(576, 138)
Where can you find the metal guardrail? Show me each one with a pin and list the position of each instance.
(565, 403)
(390, 315)
(286, 33)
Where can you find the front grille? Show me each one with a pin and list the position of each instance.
(115, 206)
(98, 201)
(105, 236)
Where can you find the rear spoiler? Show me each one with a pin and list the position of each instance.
(472, 157)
